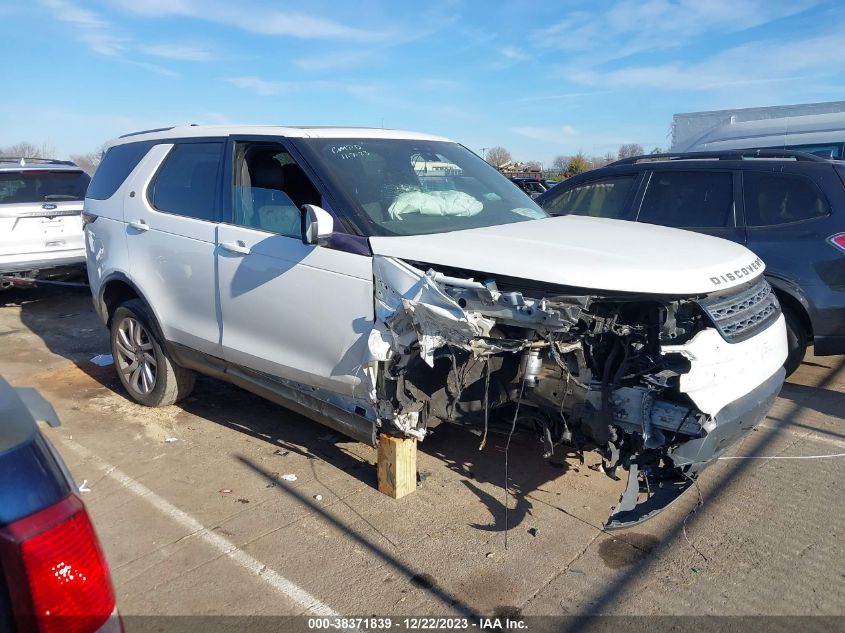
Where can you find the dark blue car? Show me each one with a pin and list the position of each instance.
(53, 575)
(786, 206)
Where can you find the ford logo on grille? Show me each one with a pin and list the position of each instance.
(48, 205)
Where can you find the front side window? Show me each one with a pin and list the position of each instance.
(773, 198)
(186, 183)
(689, 199)
(42, 186)
(270, 189)
(413, 187)
(601, 198)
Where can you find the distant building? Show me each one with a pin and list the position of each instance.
(818, 128)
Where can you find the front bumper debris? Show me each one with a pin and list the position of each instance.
(652, 490)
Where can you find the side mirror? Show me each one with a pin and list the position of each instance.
(318, 225)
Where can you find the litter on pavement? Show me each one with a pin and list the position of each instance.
(103, 360)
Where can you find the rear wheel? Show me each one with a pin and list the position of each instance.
(796, 340)
(144, 369)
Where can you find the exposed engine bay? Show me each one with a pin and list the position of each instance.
(612, 372)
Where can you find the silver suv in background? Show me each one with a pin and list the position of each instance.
(40, 217)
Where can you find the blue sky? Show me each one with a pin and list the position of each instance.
(540, 78)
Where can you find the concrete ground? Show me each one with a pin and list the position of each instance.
(196, 515)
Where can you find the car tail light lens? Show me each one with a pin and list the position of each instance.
(838, 241)
(56, 571)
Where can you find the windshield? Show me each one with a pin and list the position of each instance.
(42, 186)
(408, 187)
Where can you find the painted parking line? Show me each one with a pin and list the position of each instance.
(228, 549)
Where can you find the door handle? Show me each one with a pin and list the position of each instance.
(239, 248)
(139, 225)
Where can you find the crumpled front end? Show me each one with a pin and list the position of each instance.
(660, 386)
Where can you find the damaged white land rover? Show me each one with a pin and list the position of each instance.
(383, 281)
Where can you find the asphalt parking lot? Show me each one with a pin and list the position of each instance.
(197, 516)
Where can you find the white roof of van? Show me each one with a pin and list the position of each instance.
(188, 131)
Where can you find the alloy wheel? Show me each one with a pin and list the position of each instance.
(135, 355)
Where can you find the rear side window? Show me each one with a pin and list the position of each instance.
(116, 165)
(42, 186)
(778, 198)
(689, 199)
(186, 184)
(602, 198)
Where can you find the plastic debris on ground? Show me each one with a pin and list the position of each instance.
(170, 440)
(318, 497)
(225, 491)
(103, 360)
(289, 477)
(83, 487)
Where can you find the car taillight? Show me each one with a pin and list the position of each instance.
(55, 570)
(838, 241)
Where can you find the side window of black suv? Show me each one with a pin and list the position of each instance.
(689, 199)
(601, 198)
(773, 198)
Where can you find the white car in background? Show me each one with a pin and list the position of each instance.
(40, 217)
(386, 282)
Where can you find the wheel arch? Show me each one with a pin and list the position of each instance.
(791, 296)
(115, 290)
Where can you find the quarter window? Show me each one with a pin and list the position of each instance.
(116, 165)
(186, 184)
(778, 198)
(270, 189)
(602, 198)
(689, 199)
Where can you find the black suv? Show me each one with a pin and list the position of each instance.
(786, 206)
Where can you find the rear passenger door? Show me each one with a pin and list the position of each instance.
(289, 309)
(787, 216)
(171, 236)
(701, 200)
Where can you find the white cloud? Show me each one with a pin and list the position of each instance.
(514, 53)
(181, 52)
(259, 86)
(90, 27)
(753, 63)
(628, 28)
(253, 18)
(268, 87)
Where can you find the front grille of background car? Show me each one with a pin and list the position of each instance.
(740, 315)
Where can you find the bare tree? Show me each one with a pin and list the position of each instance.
(560, 163)
(498, 156)
(25, 149)
(90, 161)
(533, 165)
(630, 149)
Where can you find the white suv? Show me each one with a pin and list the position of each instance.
(40, 225)
(384, 281)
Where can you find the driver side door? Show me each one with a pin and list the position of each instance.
(291, 310)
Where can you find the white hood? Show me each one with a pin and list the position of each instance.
(594, 253)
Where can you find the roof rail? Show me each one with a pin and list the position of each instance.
(734, 154)
(24, 160)
(155, 129)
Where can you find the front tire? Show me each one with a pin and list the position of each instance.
(149, 376)
(796, 340)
